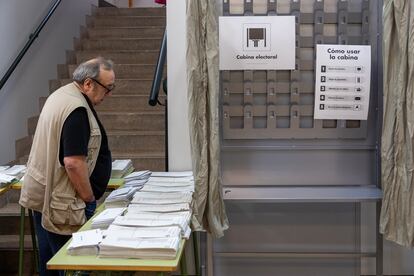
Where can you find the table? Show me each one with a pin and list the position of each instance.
(113, 183)
(63, 261)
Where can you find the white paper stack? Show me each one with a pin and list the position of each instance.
(166, 208)
(137, 183)
(120, 197)
(173, 174)
(138, 221)
(17, 171)
(118, 246)
(85, 243)
(144, 232)
(137, 179)
(106, 217)
(186, 216)
(121, 167)
(162, 198)
(6, 179)
(160, 184)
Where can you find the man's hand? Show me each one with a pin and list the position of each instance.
(77, 170)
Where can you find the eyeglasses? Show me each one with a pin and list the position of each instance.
(108, 89)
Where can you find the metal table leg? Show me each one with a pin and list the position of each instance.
(196, 254)
(34, 241)
(183, 264)
(21, 240)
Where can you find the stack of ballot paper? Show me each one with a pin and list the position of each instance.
(173, 174)
(106, 217)
(162, 198)
(140, 221)
(17, 171)
(6, 179)
(144, 232)
(178, 216)
(120, 197)
(137, 179)
(117, 245)
(85, 242)
(168, 187)
(165, 208)
(11, 174)
(121, 167)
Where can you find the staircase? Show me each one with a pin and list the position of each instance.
(131, 38)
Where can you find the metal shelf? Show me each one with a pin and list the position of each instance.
(303, 194)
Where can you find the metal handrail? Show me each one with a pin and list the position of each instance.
(26, 47)
(156, 82)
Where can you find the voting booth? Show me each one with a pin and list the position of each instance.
(300, 115)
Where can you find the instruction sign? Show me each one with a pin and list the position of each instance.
(257, 42)
(342, 85)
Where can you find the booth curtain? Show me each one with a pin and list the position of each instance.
(397, 152)
(203, 97)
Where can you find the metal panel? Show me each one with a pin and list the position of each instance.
(351, 28)
(275, 156)
(288, 229)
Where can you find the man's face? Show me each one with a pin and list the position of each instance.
(97, 89)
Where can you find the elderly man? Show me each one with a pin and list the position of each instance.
(70, 162)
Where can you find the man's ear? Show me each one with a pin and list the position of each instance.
(88, 84)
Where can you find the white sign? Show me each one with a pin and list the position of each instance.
(342, 85)
(257, 42)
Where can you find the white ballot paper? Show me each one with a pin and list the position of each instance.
(167, 208)
(85, 242)
(172, 174)
(116, 245)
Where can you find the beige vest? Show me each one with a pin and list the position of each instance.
(46, 186)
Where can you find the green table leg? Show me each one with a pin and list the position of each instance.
(196, 254)
(21, 241)
(34, 243)
(183, 264)
(160, 273)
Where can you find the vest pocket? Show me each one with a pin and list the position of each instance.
(78, 213)
(67, 210)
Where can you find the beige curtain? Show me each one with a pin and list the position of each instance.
(203, 97)
(397, 152)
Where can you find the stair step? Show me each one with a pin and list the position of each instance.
(129, 32)
(119, 120)
(134, 44)
(23, 145)
(114, 121)
(123, 86)
(12, 241)
(127, 71)
(10, 220)
(120, 57)
(9, 263)
(126, 21)
(151, 161)
(131, 11)
(136, 142)
(128, 103)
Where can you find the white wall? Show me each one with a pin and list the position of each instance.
(19, 97)
(178, 132)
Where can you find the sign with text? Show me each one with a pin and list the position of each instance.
(257, 42)
(342, 82)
